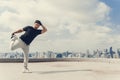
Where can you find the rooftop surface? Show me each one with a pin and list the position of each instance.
(82, 70)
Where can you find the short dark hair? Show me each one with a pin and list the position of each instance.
(37, 21)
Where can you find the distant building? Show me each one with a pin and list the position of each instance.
(111, 52)
(59, 56)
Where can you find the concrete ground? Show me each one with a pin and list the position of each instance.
(86, 70)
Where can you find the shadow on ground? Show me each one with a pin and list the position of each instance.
(62, 71)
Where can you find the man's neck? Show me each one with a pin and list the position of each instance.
(34, 27)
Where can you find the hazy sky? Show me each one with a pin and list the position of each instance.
(74, 25)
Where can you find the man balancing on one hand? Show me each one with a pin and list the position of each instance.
(24, 40)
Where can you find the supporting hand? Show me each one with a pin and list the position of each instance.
(13, 33)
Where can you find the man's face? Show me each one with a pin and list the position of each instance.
(36, 25)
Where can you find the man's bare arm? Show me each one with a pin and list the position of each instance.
(44, 29)
(18, 31)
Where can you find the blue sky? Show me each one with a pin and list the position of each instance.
(115, 10)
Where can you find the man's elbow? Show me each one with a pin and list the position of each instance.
(45, 30)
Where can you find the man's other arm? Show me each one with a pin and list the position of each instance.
(44, 29)
(18, 31)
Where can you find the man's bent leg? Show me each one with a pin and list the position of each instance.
(14, 43)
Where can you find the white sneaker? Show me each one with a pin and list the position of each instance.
(26, 70)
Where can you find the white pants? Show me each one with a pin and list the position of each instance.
(18, 43)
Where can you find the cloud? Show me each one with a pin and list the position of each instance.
(72, 25)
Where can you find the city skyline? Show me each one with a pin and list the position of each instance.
(106, 53)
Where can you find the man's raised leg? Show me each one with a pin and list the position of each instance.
(14, 44)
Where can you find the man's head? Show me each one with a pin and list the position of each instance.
(37, 24)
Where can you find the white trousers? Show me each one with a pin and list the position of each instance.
(18, 43)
